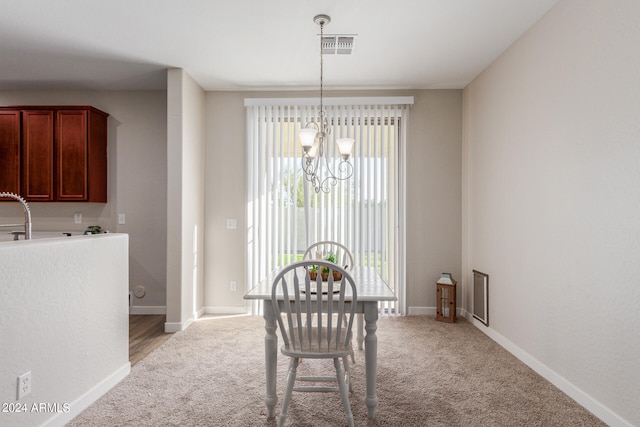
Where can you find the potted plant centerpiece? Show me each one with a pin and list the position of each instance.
(313, 272)
(331, 257)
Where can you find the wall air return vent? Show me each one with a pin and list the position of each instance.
(338, 44)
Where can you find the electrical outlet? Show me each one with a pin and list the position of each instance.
(121, 219)
(24, 385)
(77, 218)
(233, 286)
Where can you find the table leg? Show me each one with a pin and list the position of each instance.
(359, 328)
(271, 358)
(370, 355)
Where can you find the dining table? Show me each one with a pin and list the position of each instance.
(370, 288)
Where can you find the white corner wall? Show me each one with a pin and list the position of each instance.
(185, 199)
(551, 201)
(63, 317)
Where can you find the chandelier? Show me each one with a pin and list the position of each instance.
(314, 137)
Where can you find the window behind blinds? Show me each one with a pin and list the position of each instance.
(365, 212)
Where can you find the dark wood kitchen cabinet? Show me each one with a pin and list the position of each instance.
(81, 155)
(63, 153)
(10, 151)
(37, 155)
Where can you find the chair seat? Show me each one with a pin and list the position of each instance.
(311, 348)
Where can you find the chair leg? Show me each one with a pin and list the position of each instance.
(347, 372)
(291, 379)
(344, 392)
(351, 352)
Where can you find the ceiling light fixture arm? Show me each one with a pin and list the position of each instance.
(310, 166)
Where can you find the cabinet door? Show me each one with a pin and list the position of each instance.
(97, 156)
(37, 155)
(71, 151)
(10, 151)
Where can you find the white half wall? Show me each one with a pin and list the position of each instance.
(63, 317)
(552, 201)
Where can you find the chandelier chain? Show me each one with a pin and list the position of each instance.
(314, 143)
(321, 68)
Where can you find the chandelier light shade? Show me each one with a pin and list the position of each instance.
(307, 137)
(316, 166)
(345, 145)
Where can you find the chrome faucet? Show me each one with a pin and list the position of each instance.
(27, 214)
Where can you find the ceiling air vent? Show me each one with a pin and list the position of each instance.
(338, 44)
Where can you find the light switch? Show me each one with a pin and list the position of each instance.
(232, 224)
(121, 219)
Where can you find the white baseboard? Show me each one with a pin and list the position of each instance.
(215, 309)
(84, 401)
(422, 311)
(428, 311)
(148, 309)
(173, 327)
(599, 410)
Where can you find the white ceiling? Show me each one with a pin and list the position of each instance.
(254, 44)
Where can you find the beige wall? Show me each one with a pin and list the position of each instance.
(433, 200)
(434, 195)
(137, 149)
(225, 185)
(552, 191)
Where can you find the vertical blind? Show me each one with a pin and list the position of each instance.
(365, 213)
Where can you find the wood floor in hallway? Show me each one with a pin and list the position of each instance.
(146, 333)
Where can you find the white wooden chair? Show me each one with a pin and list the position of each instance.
(343, 256)
(328, 338)
(320, 250)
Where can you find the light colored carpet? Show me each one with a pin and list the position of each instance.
(429, 374)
